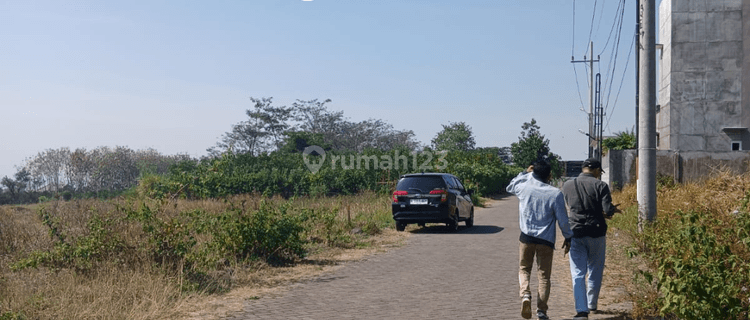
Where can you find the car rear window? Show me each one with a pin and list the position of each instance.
(420, 184)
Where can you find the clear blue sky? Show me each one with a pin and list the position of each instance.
(175, 75)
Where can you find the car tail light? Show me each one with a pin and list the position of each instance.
(441, 192)
(398, 193)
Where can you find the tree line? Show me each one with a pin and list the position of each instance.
(263, 154)
(101, 171)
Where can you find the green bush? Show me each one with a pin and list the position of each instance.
(270, 233)
(702, 266)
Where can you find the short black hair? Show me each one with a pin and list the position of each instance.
(542, 169)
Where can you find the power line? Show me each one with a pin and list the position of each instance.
(615, 51)
(620, 6)
(632, 42)
(573, 45)
(591, 30)
(601, 15)
(578, 86)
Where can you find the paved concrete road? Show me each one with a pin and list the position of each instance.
(471, 274)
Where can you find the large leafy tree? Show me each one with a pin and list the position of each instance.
(262, 131)
(456, 136)
(308, 122)
(341, 134)
(532, 146)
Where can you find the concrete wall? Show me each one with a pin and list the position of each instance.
(700, 81)
(664, 58)
(619, 168)
(687, 166)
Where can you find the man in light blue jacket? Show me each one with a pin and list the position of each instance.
(540, 205)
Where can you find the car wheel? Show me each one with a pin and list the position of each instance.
(400, 226)
(453, 225)
(470, 221)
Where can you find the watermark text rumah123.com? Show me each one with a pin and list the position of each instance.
(315, 157)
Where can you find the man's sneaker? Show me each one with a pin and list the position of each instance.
(526, 307)
(593, 311)
(541, 315)
(581, 316)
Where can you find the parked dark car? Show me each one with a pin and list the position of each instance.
(431, 198)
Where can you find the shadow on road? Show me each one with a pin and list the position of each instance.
(500, 196)
(432, 229)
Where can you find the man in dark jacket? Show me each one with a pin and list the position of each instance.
(590, 203)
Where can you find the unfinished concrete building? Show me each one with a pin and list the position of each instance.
(703, 84)
(703, 105)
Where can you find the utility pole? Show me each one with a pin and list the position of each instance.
(637, 66)
(646, 185)
(591, 96)
(598, 118)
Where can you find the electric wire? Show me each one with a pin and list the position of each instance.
(572, 54)
(577, 85)
(620, 7)
(624, 72)
(601, 16)
(613, 61)
(591, 30)
(573, 45)
(612, 45)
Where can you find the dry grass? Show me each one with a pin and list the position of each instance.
(719, 193)
(718, 196)
(134, 287)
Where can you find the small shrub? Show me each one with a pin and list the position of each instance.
(701, 267)
(100, 243)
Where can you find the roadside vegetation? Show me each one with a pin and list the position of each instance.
(141, 258)
(694, 261)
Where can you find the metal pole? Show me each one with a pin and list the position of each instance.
(598, 117)
(591, 102)
(647, 116)
(637, 66)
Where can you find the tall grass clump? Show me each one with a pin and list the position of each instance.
(695, 258)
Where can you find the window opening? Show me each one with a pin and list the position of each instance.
(736, 145)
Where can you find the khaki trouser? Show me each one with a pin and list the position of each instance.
(544, 265)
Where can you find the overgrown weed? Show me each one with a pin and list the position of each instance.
(140, 258)
(694, 261)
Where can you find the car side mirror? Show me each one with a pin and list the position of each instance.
(470, 191)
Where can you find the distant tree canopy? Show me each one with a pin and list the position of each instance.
(307, 123)
(532, 146)
(102, 169)
(622, 140)
(456, 136)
